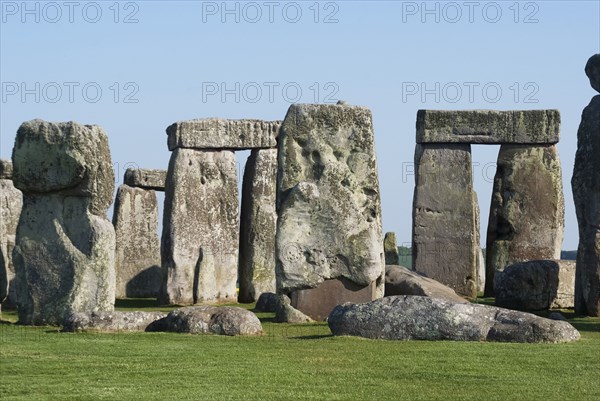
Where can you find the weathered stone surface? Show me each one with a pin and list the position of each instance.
(444, 234)
(536, 285)
(390, 247)
(479, 263)
(6, 170)
(258, 223)
(328, 200)
(408, 317)
(586, 193)
(200, 235)
(67, 157)
(401, 281)
(111, 321)
(217, 133)
(267, 302)
(592, 70)
(65, 245)
(527, 211)
(488, 126)
(225, 320)
(137, 259)
(286, 313)
(480, 271)
(145, 178)
(11, 202)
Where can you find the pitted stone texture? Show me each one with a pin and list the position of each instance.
(390, 247)
(217, 133)
(145, 178)
(6, 170)
(65, 247)
(592, 70)
(401, 281)
(329, 214)
(111, 321)
(586, 193)
(258, 223)
(200, 228)
(224, 320)
(444, 234)
(267, 302)
(137, 261)
(527, 210)
(488, 126)
(478, 253)
(421, 318)
(67, 157)
(536, 285)
(11, 202)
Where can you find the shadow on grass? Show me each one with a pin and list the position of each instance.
(592, 326)
(131, 303)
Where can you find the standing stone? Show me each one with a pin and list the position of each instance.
(390, 247)
(329, 244)
(200, 228)
(11, 202)
(527, 211)
(586, 193)
(258, 222)
(444, 218)
(65, 246)
(137, 261)
(478, 252)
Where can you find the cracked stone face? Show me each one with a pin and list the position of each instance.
(328, 201)
(527, 210)
(65, 246)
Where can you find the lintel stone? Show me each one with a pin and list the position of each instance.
(488, 126)
(145, 178)
(222, 134)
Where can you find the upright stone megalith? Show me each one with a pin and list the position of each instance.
(527, 210)
(390, 247)
(586, 192)
(258, 222)
(11, 202)
(200, 228)
(329, 245)
(136, 225)
(65, 246)
(444, 217)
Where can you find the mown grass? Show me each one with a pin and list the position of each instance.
(290, 362)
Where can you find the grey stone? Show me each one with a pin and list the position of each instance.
(444, 234)
(479, 262)
(11, 202)
(258, 223)
(6, 170)
(145, 178)
(586, 193)
(488, 126)
(65, 246)
(390, 247)
(401, 281)
(592, 70)
(217, 133)
(286, 313)
(267, 302)
(536, 285)
(137, 260)
(527, 210)
(200, 237)
(557, 316)
(110, 321)
(480, 271)
(409, 317)
(225, 320)
(328, 199)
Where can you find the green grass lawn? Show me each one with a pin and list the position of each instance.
(290, 362)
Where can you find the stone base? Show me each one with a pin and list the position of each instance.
(319, 302)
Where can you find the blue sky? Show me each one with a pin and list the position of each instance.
(135, 67)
